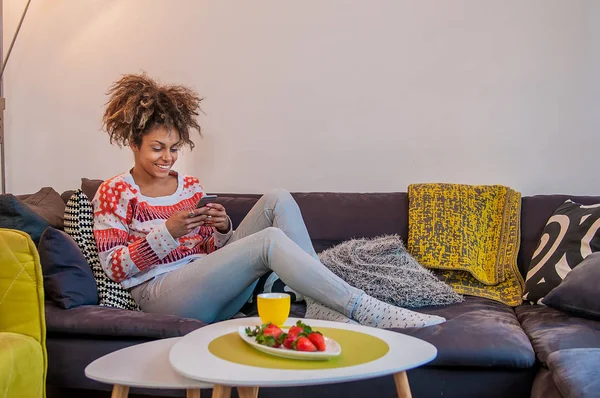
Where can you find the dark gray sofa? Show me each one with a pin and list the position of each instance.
(486, 349)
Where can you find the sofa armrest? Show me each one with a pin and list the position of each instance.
(21, 286)
(94, 320)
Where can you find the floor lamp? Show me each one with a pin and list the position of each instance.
(2, 99)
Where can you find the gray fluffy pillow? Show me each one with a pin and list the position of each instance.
(385, 270)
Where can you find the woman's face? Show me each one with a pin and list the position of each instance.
(158, 151)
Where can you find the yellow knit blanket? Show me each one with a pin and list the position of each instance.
(471, 235)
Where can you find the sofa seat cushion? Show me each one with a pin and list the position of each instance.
(97, 321)
(477, 333)
(551, 330)
(575, 371)
(22, 366)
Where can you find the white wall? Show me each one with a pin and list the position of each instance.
(318, 95)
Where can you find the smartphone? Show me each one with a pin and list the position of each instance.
(206, 199)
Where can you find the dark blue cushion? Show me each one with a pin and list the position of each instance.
(15, 214)
(68, 278)
(578, 293)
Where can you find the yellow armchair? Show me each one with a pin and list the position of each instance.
(23, 359)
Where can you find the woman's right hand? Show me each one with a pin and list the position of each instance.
(181, 223)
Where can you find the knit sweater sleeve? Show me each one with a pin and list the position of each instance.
(213, 238)
(121, 254)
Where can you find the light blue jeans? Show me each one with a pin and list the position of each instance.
(272, 237)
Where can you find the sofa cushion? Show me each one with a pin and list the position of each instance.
(48, 204)
(384, 269)
(68, 278)
(65, 196)
(79, 224)
(90, 187)
(477, 333)
(551, 330)
(14, 214)
(578, 293)
(97, 321)
(570, 235)
(576, 372)
(535, 212)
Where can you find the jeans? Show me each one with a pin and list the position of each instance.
(272, 237)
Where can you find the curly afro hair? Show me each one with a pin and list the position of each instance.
(138, 104)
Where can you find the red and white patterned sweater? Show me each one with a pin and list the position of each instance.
(133, 242)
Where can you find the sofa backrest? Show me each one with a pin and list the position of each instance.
(334, 217)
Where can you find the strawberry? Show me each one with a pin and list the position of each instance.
(291, 336)
(304, 344)
(289, 340)
(318, 340)
(272, 330)
(269, 335)
(295, 330)
(299, 337)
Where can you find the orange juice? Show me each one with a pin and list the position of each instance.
(274, 308)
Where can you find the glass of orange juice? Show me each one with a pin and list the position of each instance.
(274, 308)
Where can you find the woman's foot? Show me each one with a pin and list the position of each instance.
(375, 313)
(316, 310)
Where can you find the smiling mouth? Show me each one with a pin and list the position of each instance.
(163, 167)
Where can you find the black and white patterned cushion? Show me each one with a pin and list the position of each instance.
(79, 224)
(270, 283)
(570, 235)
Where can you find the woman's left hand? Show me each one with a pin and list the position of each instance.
(217, 217)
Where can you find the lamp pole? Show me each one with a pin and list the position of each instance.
(2, 99)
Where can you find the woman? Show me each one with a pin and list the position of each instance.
(179, 259)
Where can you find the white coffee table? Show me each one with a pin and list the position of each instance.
(143, 365)
(192, 357)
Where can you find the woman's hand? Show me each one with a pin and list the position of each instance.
(216, 217)
(185, 221)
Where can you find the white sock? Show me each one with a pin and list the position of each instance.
(316, 310)
(375, 313)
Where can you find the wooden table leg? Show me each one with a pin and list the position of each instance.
(120, 391)
(402, 387)
(192, 393)
(220, 391)
(248, 392)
